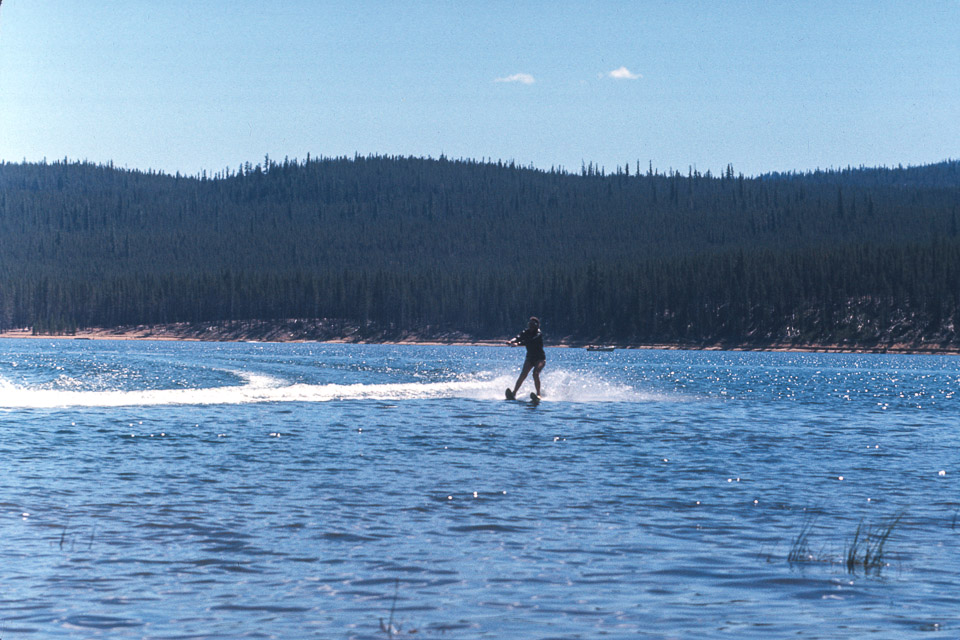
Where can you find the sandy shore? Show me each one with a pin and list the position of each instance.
(191, 333)
(335, 333)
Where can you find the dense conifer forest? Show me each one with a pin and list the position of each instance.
(867, 257)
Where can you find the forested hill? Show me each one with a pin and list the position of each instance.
(940, 175)
(865, 256)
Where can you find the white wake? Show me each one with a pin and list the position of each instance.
(559, 386)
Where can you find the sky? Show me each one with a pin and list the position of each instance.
(181, 85)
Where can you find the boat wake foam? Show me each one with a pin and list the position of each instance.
(562, 386)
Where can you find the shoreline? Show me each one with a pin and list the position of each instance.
(342, 334)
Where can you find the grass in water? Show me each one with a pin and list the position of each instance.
(389, 628)
(866, 551)
(867, 548)
(800, 550)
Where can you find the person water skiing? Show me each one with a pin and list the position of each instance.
(536, 360)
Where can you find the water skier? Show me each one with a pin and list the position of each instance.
(532, 339)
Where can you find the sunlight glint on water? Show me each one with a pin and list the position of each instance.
(176, 490)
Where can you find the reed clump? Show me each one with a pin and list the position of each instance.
(867, 550)
(800, 549)
(868, 546)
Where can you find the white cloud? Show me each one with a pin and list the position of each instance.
(524, 78)
(623, 74)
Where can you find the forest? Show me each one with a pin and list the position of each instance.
(859, 256)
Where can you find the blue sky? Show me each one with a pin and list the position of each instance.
(182, 85)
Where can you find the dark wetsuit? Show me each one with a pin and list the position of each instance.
(532, 339)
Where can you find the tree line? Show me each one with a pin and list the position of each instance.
(866, 256)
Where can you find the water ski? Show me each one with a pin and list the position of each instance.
(534, 398)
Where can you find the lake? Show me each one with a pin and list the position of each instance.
(227, 490)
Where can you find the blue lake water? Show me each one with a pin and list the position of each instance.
(197, 490)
